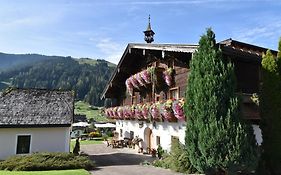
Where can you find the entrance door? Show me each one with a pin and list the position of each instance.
(147, 138)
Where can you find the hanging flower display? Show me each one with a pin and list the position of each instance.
(129, 86)
(134, 81)
(138, 112)
(114, 112)
(120, 112)
(166, 109)
(154, 111)
(145, 110)
(140, 79)
(146, 75)
(132, 111)
(167, 75)
(127, 112)
(178, 109)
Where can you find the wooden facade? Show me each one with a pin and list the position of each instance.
(138, 57)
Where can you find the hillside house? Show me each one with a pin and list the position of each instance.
(35, 120)
(147, 88)
(149, 83)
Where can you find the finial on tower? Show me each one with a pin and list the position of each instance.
(148, 34)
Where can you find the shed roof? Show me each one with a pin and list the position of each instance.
(36, 108)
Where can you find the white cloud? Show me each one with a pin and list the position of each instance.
(112, 51)
(261, 33)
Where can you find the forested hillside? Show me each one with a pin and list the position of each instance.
(8, 61)
(85, 76)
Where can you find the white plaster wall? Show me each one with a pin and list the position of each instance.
(42, 140)
(163, 129)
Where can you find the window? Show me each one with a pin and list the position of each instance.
(121, 133)
(131, 134)
(157, 140)
(174, 93)
(23, 144)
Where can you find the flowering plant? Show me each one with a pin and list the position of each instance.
(114, 112)
(134, 81)
(132, 111)
(166, 109)
(138, 111)
(167, 75)
(178, 109)
(120, 112)
(127, 112)
(154, 110)
(145, 74)
(145, 110)
(129, 86)
(140, 79)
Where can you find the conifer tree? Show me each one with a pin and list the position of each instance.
(216, 139)
(270, 110)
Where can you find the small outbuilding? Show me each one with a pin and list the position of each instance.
(35, 120)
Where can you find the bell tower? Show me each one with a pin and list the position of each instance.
(148, 34)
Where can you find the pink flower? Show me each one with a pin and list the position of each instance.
(145, 110)
(178, 109)
(167, 75)
(140, 79)
(129, 86)
(134, 81)
(146, 76)
(154, 111)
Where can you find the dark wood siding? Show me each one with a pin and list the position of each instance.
(247, 76)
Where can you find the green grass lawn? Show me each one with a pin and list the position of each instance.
(84, 142)
(88, 110)
(53, 172)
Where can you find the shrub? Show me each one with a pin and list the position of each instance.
(95, 134)
(109, 133)
(104, 137)
(176, 160)
(160, 151)
(46, 161)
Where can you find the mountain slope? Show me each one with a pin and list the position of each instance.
(86, 79)
(8, 61)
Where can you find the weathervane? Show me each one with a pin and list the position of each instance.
(148, 34)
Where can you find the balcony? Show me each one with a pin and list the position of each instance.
(170, 110)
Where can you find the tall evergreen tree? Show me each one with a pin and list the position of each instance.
(216, 138)
(270, 110)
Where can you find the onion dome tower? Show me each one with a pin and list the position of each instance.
(148, 34)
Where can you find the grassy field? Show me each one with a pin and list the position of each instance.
(53, 172)
(84, 142)
(90, 111)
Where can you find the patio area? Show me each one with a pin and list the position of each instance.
(121, 161)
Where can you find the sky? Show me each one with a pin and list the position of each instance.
(101, 29)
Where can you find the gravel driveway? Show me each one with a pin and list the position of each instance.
(121, 161)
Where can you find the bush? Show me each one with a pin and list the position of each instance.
(160, 151)
(46, 161)
(95, 134)
(176, 160)
(104, 137)
(109, 133)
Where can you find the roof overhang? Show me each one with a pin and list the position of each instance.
(137, 54)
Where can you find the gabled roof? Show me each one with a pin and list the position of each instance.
(129, 61)
(36, 108)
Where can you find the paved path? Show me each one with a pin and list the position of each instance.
(123, 161)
